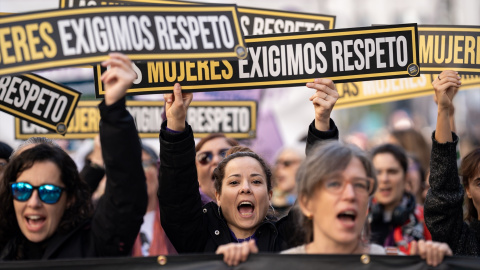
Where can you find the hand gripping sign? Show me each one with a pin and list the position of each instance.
(236, 119)
(75, 37)
(281, 60)
(38, 100)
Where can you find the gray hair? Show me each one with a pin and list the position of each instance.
(33, 141)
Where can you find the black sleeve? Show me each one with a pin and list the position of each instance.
(178, 194)
(119, 214)
(443, 204)
(315, 136)
(91, 175)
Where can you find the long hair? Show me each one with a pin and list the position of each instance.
(469, 168)
(323, 160)
(77, 191)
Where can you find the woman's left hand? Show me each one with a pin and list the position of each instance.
(432, 252)
(235, 253)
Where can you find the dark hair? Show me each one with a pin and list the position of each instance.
(235, 152)
(211, 136)
(5, 151)
(396, 151)
(322, 161)
(76, 190)
(469, 168)
(34, 141)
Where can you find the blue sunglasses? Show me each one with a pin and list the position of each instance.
(48, 193)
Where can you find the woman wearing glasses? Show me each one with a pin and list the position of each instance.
(46, 210)
(210, 151)
(243, 188)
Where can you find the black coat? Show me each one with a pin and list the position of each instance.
(191, 227)
(116, 221)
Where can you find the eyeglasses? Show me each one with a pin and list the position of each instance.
(48, 193)
(206, 157)
(286, 163)
(361, 186)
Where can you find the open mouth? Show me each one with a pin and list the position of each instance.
(246, 208)
(385, 190)
(35, 221)
(347, 216)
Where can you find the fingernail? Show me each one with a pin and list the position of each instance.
(309, 84)
(317, 80)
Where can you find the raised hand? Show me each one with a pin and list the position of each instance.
(446, 86)
(118, 77)
(176, 106)
(323, 101)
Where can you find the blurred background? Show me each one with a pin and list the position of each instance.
(284, 113)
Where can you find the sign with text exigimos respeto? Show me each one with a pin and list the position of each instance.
(236, 119)
(292, 59)
(38, 101)
(75, 37)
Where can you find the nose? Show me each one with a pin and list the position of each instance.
(34, 200)
(245, 188)
(348, 192)
(216, 159)
(382, 177)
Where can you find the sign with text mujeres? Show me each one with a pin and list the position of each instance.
(253, 21)
(75, 37)
(292, 59)
(355, 94)
(38, 101)
(236, 119)
(449, 47)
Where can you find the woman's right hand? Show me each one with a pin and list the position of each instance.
(446, 86)
(323, 101)
(176, 106)
(235, 253)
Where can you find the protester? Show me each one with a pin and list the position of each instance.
(193, 228)
(416, 179)
(395, 218)
(5, 152)
(443, 205)
(210, 151)
(286, 165)
(46, 208)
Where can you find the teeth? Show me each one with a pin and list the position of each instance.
(351, 213)
(245, 203)
(34, 217)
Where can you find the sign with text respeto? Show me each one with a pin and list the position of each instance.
(449, 47)
(38, 101)
(236, 119)
(75, 37)
(253, 21)
(281, 60)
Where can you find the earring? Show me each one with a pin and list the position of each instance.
(273, 209)
(220, 215)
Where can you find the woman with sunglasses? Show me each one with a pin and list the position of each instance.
(243, 186)
(210, 151)
(46, 210)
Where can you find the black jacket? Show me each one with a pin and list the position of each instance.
(191, 227)
(444, 202)
(117, 219)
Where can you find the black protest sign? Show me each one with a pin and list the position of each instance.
(282, 60)
(74, 37)
(38, 100)
(449, 47)
(254, 21)
(236, 119)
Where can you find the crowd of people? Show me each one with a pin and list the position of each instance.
(323, 197)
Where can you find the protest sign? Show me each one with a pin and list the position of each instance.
(281, 60)
(254, 21)
(449, 47)
(74, 37)
(356, 94)
(236, 119)
(38, 100)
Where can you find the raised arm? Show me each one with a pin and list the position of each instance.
(119, 213)
(178, 195)
(443, 205)
(324, 99)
